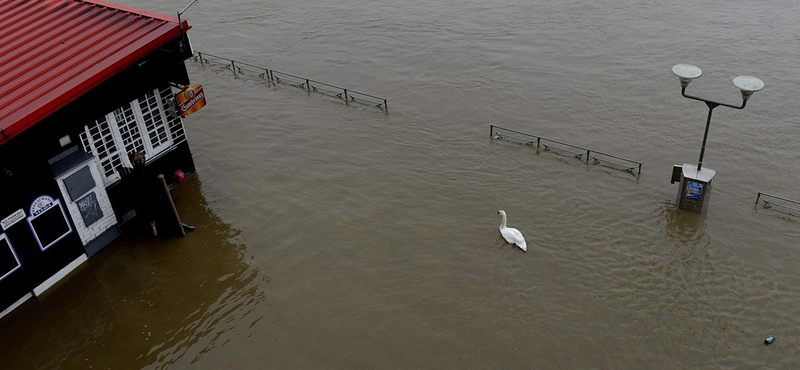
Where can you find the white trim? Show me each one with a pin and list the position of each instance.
(59, 275)
(16, 304)
(63, 213)
(153, 148)
(137, 112)
(113, 126)
(164, 119)
(11, 247)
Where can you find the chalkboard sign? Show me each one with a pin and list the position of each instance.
(79, 183)
(8, 259)
(90, 209)
(49, 224)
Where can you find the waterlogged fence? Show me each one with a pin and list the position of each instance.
(277, 77)
(589, 155)
(771, 201)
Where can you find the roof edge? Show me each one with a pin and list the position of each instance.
(132, 10)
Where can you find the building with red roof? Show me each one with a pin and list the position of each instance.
(87, 119)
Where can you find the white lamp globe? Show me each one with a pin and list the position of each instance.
(686, 73)
(748, 85)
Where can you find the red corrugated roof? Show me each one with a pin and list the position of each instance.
(53, 51)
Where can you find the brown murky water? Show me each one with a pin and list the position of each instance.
(333, 236)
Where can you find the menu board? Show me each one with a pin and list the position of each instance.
(8, 259)
(48, 221)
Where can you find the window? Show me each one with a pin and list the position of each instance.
(149, 124)
(9, 262)
(99, 138)
(129, 129)
(154, 122)
(173, 118)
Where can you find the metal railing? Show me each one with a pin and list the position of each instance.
(591, 156)
(273, 76)
(770, 204)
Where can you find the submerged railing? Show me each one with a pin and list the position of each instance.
(497, 132)
(348, 95)
(769, 204)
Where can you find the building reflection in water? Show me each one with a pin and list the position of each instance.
(143, 301)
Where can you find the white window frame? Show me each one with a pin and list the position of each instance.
(33, 229)
(112, 126)
(3, 236)
(151, 151)
(154, 150)
(112, 119)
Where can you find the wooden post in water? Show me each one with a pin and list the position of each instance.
(178, 222)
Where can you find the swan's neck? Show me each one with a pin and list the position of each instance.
(503, 223)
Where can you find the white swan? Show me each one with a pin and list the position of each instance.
(510, 234)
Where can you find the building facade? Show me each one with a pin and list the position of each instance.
(87, 88)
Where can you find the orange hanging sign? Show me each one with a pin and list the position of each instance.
(191, 99)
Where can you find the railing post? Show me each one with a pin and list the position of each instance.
(199, 54)
(640, 168)
(491, 131)
(758, 197)
(345, 95)
(587, 156)
(538, 141)
(233, 67)
(308, 85)
(385, 104)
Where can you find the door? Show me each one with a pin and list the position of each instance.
(87, 202)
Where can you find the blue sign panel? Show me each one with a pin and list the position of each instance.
(694, 191)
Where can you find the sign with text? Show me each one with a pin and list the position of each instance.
(90, 209)
(15, 217)
(41, 204)
(694, 191)
(191, 99)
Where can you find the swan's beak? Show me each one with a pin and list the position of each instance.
(498, 213)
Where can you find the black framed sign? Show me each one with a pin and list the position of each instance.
(48, 221)
(90, 209)
(9, 262)
(79, 183)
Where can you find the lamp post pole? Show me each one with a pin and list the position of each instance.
(695, 181)
(711, 105)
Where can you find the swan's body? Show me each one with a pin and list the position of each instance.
(511, 235)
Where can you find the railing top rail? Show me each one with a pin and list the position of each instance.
(567, 144)
(541, 137)
(617, 157)
(361, 93)
(288, 74)
(203, 54)
(760, 193)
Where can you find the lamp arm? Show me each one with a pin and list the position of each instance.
(708, 101)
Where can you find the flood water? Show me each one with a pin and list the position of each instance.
(346, 237)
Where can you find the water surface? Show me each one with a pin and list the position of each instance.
(335, 236)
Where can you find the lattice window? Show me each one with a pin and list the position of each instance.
(129, 130)
(154, 122)
(98, 139)
(149, 124)
(174, 120)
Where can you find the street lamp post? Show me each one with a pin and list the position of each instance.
(696, 182)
